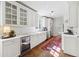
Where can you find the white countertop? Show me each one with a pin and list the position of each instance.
(26, 34)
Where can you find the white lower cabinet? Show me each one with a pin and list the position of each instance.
(11, 48)
(37, 39)
(77, 46)
(33, 41)
(70, 45)
(10, 51)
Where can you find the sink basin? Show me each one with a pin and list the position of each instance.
(69, 33)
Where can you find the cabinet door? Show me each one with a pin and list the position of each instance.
(11, 13)
(77, 46)
(33, 41)
(7, 13)
(11, 48)
(70, 45)
(66, 18)
(78, 19)
(41, 37)
(37, 39)
(29, 17)
(37, 21)
(73, 15)
(23, 16)
(10, 51)
(32, 18)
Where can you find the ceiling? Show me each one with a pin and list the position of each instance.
(44, 8)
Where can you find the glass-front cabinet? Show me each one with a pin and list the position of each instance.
(23, 17)
(14, 13)
(10, 13)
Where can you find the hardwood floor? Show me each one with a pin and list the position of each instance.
(38, 52)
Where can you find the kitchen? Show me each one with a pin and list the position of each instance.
(25, 25)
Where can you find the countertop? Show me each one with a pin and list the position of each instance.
(70, 34)
(26, 34)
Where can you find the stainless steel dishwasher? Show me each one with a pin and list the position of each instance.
(25, 43)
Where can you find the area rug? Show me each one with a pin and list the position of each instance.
(53, 45)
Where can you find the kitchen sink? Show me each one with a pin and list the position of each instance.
(69, 33)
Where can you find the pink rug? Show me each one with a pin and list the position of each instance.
(53, 45)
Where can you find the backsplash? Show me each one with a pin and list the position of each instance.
(23, 30)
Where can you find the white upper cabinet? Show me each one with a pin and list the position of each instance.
(22, 15)
(32, 18)
(73, 10)
(37, 20)
(66, 17)
(71, 16)
(78, 19)
(9, 13)
(29, 16)
(13, 13)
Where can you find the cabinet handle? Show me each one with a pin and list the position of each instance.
(77, 36)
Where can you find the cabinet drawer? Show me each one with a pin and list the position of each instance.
(9, 42)
(16, 40)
